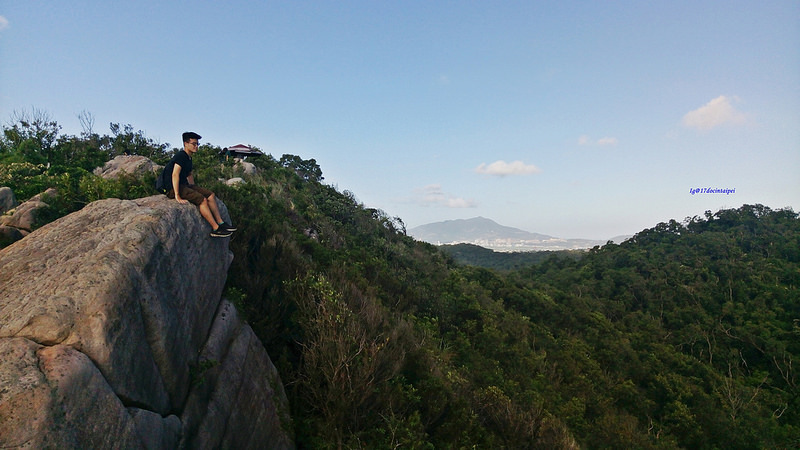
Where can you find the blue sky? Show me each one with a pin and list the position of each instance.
(574, 119)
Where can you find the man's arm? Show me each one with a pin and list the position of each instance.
(190, 179)
(176, 180)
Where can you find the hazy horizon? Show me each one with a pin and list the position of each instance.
(568, 119)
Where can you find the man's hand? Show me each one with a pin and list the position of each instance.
(181, 200)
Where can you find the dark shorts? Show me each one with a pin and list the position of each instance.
(195, 194)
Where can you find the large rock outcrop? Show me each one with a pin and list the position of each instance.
(7, 199)
(113, 333)
(127, 164)
(18, 221)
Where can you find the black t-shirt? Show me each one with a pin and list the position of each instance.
(185, 162)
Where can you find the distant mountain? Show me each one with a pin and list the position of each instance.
(489, 234)
(462, 230)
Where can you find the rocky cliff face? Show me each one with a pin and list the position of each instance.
(113, 333)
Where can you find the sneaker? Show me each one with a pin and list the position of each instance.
(227, 226)
(221, 232)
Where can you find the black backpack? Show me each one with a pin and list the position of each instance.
(161, 186)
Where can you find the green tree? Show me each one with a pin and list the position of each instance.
(30, 136)
(124, 141)
(307, 169)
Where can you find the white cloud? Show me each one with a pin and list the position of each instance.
(502, 168)
(607, 141)
(3, 23)
(718, 111)
(585, 140)
(433, 195)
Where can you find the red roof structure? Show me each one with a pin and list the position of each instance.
(241, 151)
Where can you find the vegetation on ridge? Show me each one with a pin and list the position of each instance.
(683, 336)
(475, 255)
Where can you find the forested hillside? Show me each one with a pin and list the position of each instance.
(683, 336)
(475, 255)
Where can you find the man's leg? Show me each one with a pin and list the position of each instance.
(211, 201)
(197, 198)
(212, 205)
(205, 211)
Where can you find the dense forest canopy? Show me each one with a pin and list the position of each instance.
(685, 335)
(475, 255)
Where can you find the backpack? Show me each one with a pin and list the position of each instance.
(161, 187)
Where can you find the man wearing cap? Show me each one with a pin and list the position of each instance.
(178, 176)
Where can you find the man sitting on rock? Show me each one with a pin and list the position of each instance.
(178, 176)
